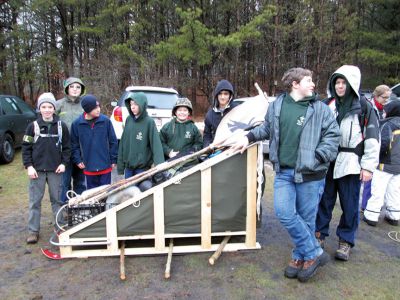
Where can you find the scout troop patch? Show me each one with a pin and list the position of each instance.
(27, 139)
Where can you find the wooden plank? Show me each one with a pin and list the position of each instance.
(167, 273)
(111, 229)
(91, 241)
(122, 262)
(230, 247)
(177, 235)
(206, 208)
(65, 250)
(251, 197)
(159, 226)
(217, 253)
(88, 239)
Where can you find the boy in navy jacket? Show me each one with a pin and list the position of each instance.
(94, 144)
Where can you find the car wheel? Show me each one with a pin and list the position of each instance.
(6, 149)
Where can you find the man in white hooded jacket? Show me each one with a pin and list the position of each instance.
(356, 161)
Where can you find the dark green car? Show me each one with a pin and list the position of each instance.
(15, 115)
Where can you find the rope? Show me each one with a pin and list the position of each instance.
(394, 235)
(58, 213)
(71, 194)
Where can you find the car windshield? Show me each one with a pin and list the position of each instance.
(396, 90)
(158, 100)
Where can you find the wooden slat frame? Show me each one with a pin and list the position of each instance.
(159, 226)
(230, 247)
(251, 197)
(111, 228)
(206, 208)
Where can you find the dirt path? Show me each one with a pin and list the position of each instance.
(372, 272)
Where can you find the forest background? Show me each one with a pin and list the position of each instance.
(190, 45)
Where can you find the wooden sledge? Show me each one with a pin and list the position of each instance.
(197, 209)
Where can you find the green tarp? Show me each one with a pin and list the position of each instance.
(182, 205)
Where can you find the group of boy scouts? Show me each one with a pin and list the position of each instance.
(319, 150)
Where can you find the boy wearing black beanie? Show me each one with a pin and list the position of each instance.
(94, 144)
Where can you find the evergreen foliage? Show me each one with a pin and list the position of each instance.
(192, 44)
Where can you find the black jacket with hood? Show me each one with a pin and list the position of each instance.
(215, 114)
(389, 160)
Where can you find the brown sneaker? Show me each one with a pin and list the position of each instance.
(311, 266)
(320, 240)
(295, 265)
(32, 238)
(343, 252)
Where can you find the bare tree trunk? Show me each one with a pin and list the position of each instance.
(274, 80)
(71, 45)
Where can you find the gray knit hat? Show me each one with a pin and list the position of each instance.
(46, 97)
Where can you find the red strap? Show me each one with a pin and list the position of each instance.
(97, 172)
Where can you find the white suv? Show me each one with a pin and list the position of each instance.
(160, 102)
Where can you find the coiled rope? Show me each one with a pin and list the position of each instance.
(394, 235)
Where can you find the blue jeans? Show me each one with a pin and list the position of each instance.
(72, 172)
(145, 184)
(296, 206)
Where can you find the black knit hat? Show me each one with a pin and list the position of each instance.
(392, 109)
(89, 102)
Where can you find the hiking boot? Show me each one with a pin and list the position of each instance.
(391, 221)
(320, 240)
(311, 266)
(369, 222)
(32, 238)
(343, 252)
(295, 265)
